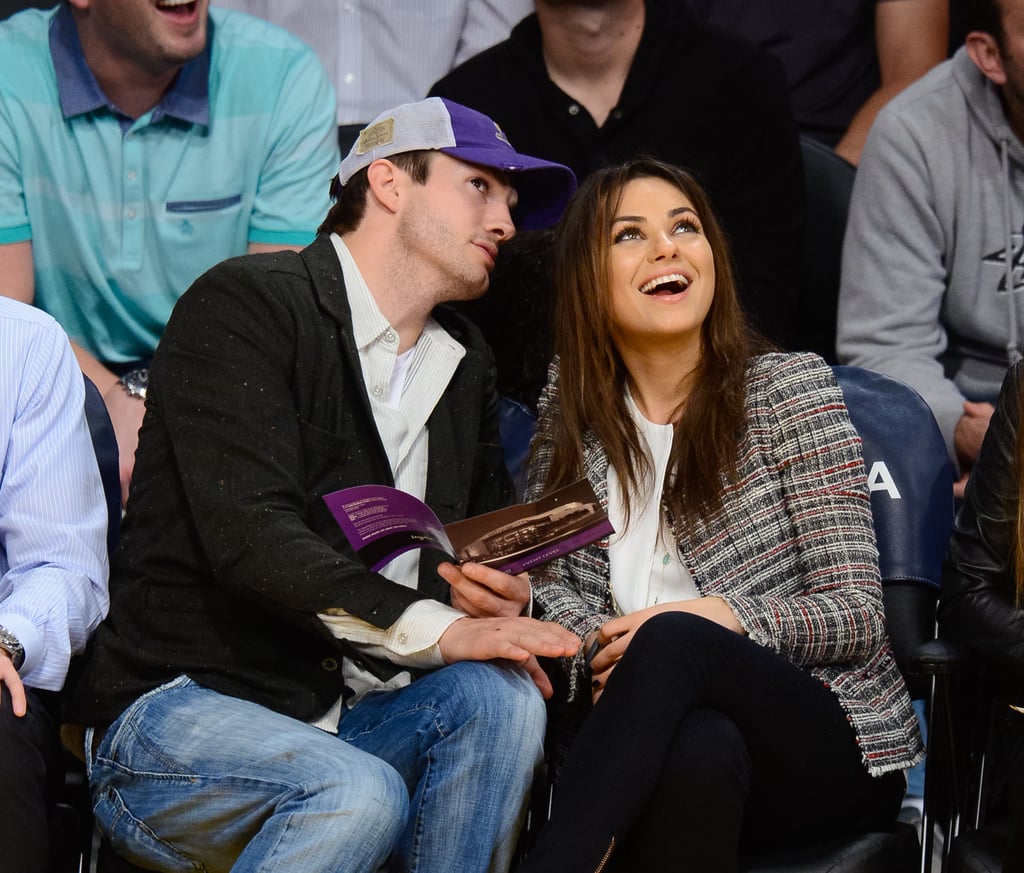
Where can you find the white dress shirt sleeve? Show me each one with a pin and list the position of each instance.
(412, 641)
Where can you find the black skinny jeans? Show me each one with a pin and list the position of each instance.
(31, 774)
(703, 745)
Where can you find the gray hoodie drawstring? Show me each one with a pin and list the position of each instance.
(1012, 352)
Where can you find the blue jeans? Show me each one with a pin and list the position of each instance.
(432, 778)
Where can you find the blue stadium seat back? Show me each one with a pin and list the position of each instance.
(516, 423)
(909, 473)
(105, 444)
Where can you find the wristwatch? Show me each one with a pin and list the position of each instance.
(9, 643)
(136, 382)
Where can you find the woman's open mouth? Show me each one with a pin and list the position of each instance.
(665, 286)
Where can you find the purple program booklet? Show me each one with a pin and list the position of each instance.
(382, 522)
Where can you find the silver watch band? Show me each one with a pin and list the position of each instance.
(136, 383)
(10, 644)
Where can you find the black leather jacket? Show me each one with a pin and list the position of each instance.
(977, 600)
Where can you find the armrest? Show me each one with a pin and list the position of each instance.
(942, 657)
(910, 619)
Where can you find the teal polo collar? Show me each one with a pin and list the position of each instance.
(187, 100)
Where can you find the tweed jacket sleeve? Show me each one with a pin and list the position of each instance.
(572, 590)
(793, 553)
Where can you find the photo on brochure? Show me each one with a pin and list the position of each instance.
(382, 522)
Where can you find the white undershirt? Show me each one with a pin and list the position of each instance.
(403, 391)
(645, 564)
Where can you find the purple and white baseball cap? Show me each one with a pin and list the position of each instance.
(436, 123)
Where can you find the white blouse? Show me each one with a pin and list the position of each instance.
(645, 564)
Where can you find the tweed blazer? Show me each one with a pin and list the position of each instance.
(792, 550)
(256, 409)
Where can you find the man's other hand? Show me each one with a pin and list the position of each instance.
(518, 640)
(483, 592)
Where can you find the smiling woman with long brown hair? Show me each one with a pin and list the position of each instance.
(745, 695)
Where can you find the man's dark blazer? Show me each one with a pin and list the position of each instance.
(256, 409)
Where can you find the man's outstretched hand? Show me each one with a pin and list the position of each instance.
(518, 640)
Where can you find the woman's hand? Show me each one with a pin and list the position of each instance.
(615, 636)
(483, 592)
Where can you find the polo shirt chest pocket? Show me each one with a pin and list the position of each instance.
(208, 221)
(210, 228)
(200, 207)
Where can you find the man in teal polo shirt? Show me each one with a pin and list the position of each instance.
(142, 142)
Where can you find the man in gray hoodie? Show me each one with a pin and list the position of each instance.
(933, 259)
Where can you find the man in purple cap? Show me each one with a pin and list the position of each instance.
(257, 698)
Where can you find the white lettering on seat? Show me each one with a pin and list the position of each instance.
(880, 479)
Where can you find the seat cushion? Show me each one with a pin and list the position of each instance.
(978, 851)
(894, 851)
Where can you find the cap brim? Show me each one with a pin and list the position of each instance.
(543, 187)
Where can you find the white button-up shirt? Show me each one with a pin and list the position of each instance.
(403, 390)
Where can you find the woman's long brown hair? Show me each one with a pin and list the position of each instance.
(592, 378)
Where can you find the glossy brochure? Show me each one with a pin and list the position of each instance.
(382, 522)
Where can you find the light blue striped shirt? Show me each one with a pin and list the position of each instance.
(124, 214)
(53, 516)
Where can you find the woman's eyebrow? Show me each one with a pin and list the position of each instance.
(672, 213)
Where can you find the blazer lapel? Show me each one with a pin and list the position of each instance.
(328, 281)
